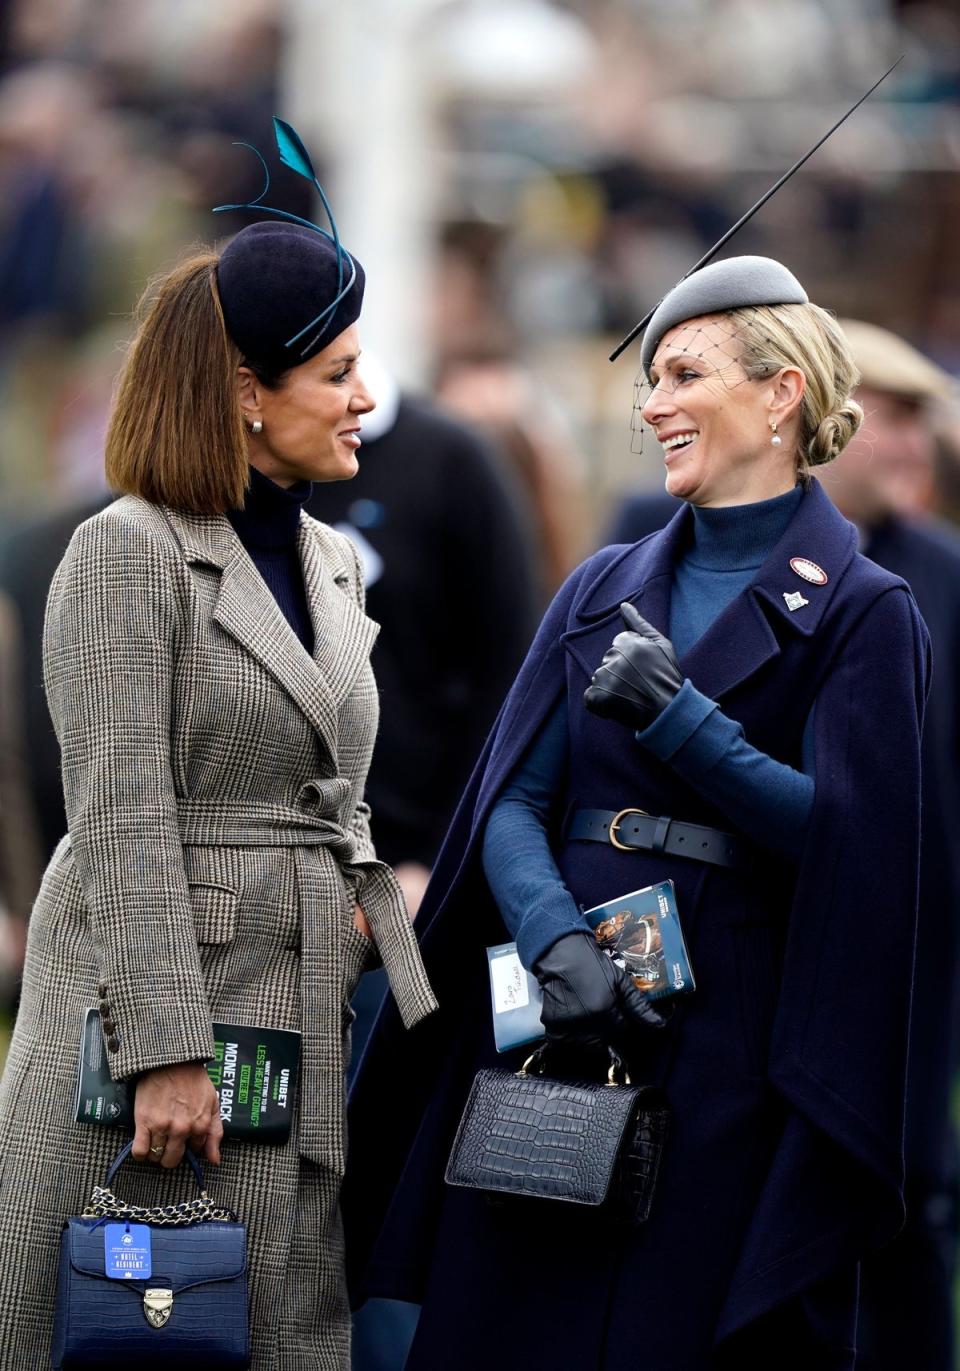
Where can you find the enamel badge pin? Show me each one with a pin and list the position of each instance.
(794, 600)
(809, 571)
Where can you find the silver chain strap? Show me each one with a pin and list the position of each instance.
(105, 1205)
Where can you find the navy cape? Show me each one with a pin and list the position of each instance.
(834, 1050)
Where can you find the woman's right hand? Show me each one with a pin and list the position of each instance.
(588, 1001)
(175, 1106)
(638, 677)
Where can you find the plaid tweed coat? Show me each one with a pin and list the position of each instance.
(217, 843)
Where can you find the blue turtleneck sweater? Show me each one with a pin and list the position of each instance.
(728, 547)
(268, 526)
(764, 798)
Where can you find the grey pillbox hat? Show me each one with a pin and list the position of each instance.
(732, 284)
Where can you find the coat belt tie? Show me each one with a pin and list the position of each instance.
(326, 858)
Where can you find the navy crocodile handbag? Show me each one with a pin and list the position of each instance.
(584, 1142)
(190, 1311)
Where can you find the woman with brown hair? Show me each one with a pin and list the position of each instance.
(207, 670)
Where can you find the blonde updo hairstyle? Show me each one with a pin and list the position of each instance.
(806, 337)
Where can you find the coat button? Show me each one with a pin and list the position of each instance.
(109, 1026)
(104, 1009)
(113, 1044)
(101, 989)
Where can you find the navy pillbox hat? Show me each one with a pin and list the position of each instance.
(274, 278)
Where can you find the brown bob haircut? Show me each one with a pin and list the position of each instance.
(176, 434)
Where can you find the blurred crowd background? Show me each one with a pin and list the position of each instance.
(522, 179)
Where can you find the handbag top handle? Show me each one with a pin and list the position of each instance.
(104, 1203)
(536, 1064)
(124, 1153)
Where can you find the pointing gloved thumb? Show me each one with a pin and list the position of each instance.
(635, 621)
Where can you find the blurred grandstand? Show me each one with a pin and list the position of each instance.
(521, 180)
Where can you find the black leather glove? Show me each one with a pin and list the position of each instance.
(638, 677)
(589, 1002)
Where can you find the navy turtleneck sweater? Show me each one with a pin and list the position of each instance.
(764, 798)
(268, 526)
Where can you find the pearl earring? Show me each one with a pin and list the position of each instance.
(776, 440)
(257, 427)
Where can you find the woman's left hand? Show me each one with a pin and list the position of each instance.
(413, 879)
(638, 677)
(176, 1106)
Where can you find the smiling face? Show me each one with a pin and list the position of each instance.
(713, 421)
(311, 421)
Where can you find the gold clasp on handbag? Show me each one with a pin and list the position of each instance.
(157, 1304)
(535, 1060)
(617, 1065)
(615, 823)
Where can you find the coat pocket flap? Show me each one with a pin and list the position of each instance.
(214, 912)
(213, 879)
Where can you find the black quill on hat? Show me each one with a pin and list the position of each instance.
(709, 256)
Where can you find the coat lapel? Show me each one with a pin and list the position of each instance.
(343, 635)
(246, 609)
(749, 632)
(735, 646)
(753, 627)
(642, 574)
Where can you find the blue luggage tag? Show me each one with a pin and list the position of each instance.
(126, 1250)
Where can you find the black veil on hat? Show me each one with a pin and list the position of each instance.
(287, 288)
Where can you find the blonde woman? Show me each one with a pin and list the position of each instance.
(207, 670)
(733, 704)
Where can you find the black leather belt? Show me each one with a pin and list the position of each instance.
(633, 830)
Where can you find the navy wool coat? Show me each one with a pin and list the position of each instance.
(785, 1072)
